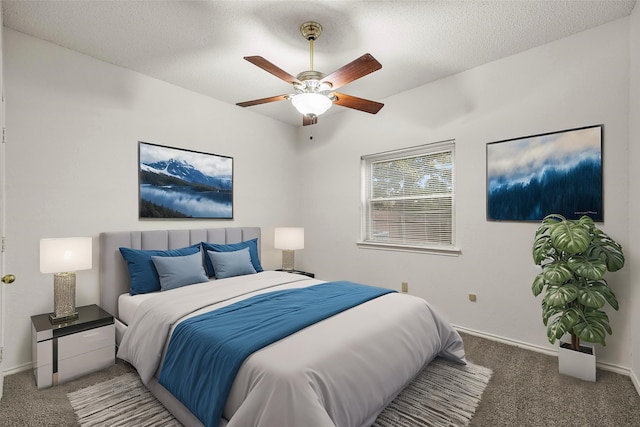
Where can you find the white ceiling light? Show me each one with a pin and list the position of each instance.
(311, 104)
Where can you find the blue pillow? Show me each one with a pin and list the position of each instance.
(230, 264)
(177, 271)
(253, 252)
(142, 272)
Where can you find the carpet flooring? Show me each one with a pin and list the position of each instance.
(525, 391)
(444, 394)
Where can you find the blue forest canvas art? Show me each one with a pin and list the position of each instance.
(560, 172)
(177, 183)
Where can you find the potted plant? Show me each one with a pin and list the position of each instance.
(574, 256)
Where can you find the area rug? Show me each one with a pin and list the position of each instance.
(443, 394)
(121, 401)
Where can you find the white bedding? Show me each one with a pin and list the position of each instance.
(128, 304)
(341, 371)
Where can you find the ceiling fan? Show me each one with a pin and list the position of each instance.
(314, 92)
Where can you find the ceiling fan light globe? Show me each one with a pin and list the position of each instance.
(311, 104)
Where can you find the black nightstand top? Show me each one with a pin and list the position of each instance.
(304, 273)
(89, 317)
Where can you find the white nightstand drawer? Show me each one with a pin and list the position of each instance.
(74, 367)
(86, 341)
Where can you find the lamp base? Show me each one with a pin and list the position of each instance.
(62, 318)
(288, 259)
(64, 298)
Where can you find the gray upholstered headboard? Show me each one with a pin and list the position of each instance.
(114, 275)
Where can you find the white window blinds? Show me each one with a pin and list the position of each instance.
(408, 197)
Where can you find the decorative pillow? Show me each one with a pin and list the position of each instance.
(177, 271)
(230, 264)
(142, 272)
(253, 252)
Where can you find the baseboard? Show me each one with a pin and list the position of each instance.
(19, 368)
(548, 351)
(634, 380)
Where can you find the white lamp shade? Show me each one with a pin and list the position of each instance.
(289, 238)
(65, 254)
(311, 103)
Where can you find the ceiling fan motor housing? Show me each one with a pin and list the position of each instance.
(311, 82)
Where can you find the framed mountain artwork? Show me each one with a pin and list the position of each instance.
(175, 183)
(557, 172)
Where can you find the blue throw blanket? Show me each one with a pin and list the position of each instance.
(205, 352)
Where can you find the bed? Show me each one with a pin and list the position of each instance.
(342, 370)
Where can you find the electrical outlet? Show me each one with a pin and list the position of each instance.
(405, 287)
(472, 297)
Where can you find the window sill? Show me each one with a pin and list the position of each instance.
(435, 250)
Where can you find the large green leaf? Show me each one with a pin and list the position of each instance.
(542, 249)
(570, 237)
(549, 311)
(556, 329)
(538, 285)
(563, 323)
(600, 317)
(589, 268)
(593, 327)
(606, 292)
(591, 297)
(573, 315)
(590, 332)
(604, 248)
(558, 296)
(552, 219)
(557, 272)
(587, 222)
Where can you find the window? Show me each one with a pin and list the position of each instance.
(408, 198)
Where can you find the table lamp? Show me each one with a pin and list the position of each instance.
(64, 257)
(288, 239)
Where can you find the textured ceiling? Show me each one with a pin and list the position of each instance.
(200, 45)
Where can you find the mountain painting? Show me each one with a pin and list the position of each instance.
(177, 183)
(560, 172)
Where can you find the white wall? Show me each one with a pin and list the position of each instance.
(73, 125)
(633, 255)
(578, 81)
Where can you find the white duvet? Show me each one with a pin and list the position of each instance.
(342, 371)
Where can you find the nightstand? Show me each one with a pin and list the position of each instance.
(304, 273)
(64, 351)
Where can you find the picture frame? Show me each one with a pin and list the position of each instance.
(557, 172)
(177, 183)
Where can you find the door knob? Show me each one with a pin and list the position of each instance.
(8, 278)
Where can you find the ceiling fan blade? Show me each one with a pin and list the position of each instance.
(360, 67)
(271, 68)
(356, 103)
(263, 100)
(306, 121)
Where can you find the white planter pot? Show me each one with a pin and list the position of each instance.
(578, 364)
